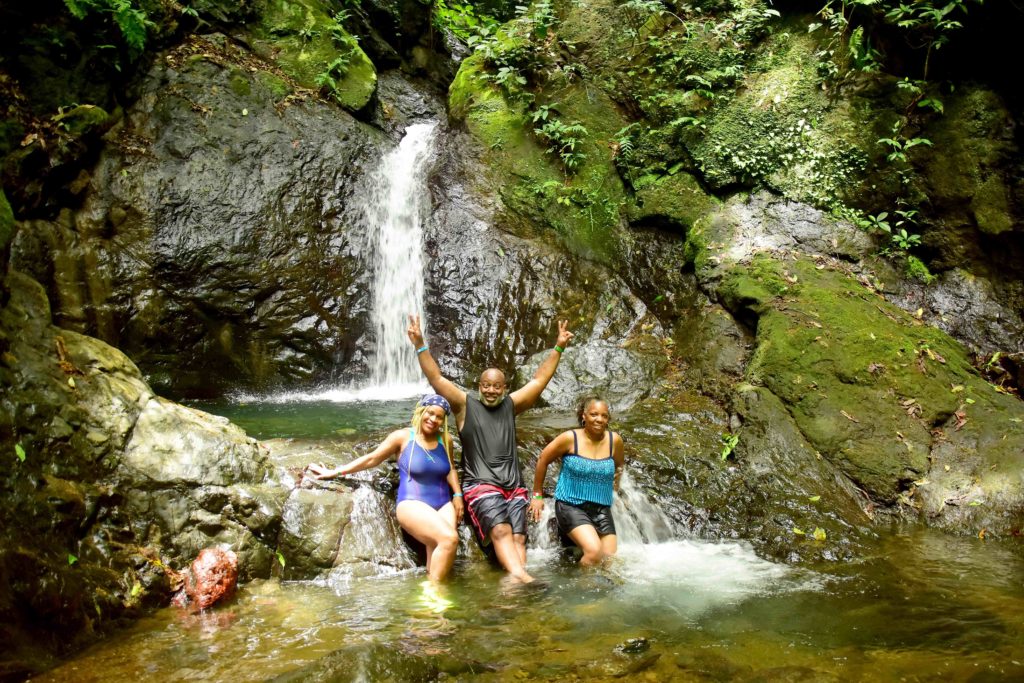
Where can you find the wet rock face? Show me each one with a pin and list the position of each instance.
(215, 245)
(494, 298)
(110, 484)
(764, 222)
(969, 308)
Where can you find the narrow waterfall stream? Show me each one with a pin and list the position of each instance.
(395, 207)
(391, 210)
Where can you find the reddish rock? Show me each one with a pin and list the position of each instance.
(211, 578)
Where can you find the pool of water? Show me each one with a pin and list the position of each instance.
(921, 606)
(927, 607)
(314, 418)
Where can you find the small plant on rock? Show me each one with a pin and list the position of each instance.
(563, 140)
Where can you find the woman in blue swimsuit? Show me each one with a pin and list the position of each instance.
(592, 460)
(429, 495)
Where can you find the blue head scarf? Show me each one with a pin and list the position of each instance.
(436, 400)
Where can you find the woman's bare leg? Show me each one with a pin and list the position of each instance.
(585, 536)
(434, 529)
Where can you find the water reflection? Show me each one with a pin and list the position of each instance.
(928, 607)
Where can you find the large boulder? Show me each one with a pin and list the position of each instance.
(217, 243)
(894, 404)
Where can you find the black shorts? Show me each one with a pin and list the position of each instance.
(490, 506)
(571, 516)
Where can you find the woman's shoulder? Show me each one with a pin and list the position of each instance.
(399, 436)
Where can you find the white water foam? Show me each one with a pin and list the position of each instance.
(393, 392)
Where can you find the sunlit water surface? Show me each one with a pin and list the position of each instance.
(924, 607)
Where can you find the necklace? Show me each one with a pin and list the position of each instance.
(416, 443)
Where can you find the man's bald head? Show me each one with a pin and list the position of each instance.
(492, 387)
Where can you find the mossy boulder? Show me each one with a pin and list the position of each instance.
(781, 130)
(581, 206)
(672, 201)
(83, 119)
(877, 392)
(311, 45)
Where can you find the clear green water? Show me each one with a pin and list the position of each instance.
(928, 607)
(923, 607)
(311, 419)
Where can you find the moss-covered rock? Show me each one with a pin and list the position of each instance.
(311, 45)
(964, 172)
(780, 129)
(676, 201)
(873, 389)
(582, 207)
(83, 119)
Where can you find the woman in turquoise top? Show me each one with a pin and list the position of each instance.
(592, 460)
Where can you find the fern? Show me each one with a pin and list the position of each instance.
(132, 21)
(133, 24)
(78, 9)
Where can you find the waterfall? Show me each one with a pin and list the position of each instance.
(395, 208)
(637, 519)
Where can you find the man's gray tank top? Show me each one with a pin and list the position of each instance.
(489, 445)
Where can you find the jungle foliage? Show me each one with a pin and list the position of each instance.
(684, 72)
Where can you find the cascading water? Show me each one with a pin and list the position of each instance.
(395, 211)
(392, 208)
(637, 519)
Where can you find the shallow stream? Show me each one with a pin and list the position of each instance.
(922, 606)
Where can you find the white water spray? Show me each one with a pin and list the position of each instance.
(637, 519)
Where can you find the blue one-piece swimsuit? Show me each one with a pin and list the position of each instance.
(423, 474)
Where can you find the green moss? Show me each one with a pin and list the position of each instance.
(678, 199)
(917, 270)
(584, 208)
(777, 131)
(6, 222)
(865, 382)
(695, 251)
(303, 38)
(991, 206)
(83, 119)
(278, 87)
(239, 83)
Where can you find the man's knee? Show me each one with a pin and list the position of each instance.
(501, 532)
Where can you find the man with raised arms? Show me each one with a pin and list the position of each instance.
(492, 481)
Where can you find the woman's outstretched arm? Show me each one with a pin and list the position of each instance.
(390, 446)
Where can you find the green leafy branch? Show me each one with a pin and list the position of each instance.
(131, 20)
